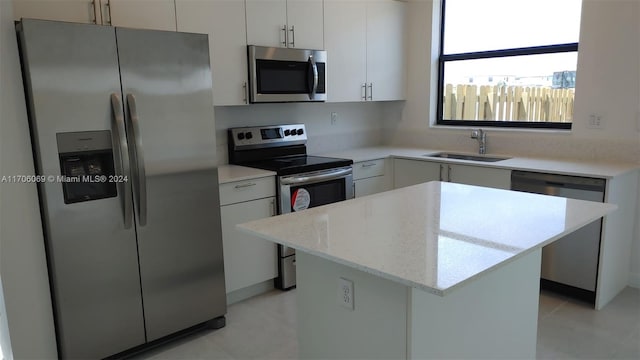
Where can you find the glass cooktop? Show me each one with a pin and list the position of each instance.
(299, 164)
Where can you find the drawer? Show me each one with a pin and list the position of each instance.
(366, 169)
(240, 191)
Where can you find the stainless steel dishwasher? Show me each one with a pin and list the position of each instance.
(570, 264)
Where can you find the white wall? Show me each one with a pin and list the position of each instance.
(608, 84)
(358, 124)
(23, 270)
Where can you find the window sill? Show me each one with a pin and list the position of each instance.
(502, 129)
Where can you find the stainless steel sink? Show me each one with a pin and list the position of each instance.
(483, 158)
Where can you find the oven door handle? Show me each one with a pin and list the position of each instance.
(293, 180)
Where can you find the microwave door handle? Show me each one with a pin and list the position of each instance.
(314, 73)
(293, 180)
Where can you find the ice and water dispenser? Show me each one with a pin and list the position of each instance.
(86, 165)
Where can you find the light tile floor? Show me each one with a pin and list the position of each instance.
(264, 328)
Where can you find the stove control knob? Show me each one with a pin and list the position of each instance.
(248, 135)
(287, 132)
(240, 136)
(300, 131)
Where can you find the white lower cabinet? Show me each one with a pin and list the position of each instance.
(247, 260)
(370, 177)
(411, 172)
(478, 175)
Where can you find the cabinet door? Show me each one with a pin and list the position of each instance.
(370, 186)
(224, 22)
(248, 260)
(140, 14)
(481, 176)
(305, 24)
(266, 22)
(411, 172)
(386, 49)
(345, 40)
(80, 11)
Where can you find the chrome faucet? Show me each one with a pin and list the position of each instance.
(481, 135)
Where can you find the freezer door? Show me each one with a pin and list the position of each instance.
(166, 82)
(71, 70)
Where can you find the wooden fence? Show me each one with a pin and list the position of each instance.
(508, 103)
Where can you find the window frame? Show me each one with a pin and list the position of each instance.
(489, 54)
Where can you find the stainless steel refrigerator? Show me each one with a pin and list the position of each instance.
(123, 135)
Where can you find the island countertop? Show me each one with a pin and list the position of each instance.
(433, 236)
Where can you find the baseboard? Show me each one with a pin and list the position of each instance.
(634, 280)
(249, 291)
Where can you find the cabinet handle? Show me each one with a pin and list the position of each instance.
(293, 37)
(370, 91)
(245, 92)
(284, 30)
(108, 7)
(449, 173)
(245, 185)
(368, 165)
(441, 167)
(273, 207)
(94, 20)
(363, 91)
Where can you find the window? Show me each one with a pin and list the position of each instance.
(508, 63)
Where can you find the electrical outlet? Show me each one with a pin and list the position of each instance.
(334, 118)
(595, 122)
(345, 293)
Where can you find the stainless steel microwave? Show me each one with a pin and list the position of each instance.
(286, 75)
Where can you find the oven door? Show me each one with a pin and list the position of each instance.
(286, 75)
(303, 191)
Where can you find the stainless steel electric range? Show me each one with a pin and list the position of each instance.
(303, 181)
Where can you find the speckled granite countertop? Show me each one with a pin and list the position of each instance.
(567, 167)
(231, 173)
(433, 236)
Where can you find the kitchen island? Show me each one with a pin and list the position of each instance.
(432, 270)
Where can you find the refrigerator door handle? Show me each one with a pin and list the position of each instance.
(140, 183)
(123, 167)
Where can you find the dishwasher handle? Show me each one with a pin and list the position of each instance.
(557, 184)
(520, 178)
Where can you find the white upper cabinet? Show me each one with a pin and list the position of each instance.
(266, 22)
(305, 24)
(80, 11)
(285, 23)
(345, 25)
(366, 44)
(142, 14)
(224, 22)
(386, 49)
